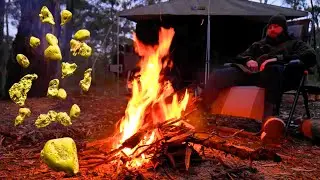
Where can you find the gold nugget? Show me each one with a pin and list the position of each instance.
(42, 121)
(75, 47)
(52, 39)
(85, 50)
(18, 91)
(34, 42)
(74, 111)
(23, 60)
(64, 119)
(82, 35)
(62, 94)
(23, 113)
(53, 88)
(46, 16)
(68, 69)
(86, 81)
(66, 16)
(53, 53)
(61, 155)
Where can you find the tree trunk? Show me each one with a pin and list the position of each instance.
(30, 25)
(7, 23)
(2, 48)
(67, 33)
(2, 13)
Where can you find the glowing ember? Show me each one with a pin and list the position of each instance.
(150, 91)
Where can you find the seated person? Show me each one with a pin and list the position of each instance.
(262, 64)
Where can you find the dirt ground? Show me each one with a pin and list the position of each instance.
(102, 108)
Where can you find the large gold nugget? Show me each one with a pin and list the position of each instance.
(23, 60)
(74, 111)
(64, 119)
(68, 69)
(86, 81)
(85, 50)
(34, 42)
(18, 91)
(23, 113)
(53, 88)
(46, 16)
(53, 53)
(52, 39)
(82, 35)
(61, 155)
(66, 16)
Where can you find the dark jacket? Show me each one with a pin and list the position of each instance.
(284, 49)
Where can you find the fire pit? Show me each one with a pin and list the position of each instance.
(155, 131)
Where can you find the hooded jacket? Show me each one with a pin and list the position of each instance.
(284, 48)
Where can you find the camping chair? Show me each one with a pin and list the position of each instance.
(248, 101)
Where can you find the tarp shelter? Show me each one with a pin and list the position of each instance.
(234, 25)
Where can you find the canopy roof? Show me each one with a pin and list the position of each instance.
(217, 8)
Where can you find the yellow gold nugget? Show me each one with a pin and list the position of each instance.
(23, 113)
(46, 16)
(64, 119)
(62, 94)
(43, 120)
(34, 42)
(53, 53)
(82, 35)
(75, 46)
(61, 155)
(86, 81)
(52, 39)
(18, 91)
(74, 111)
(68, 69)
(85, 50)
(23, 60)
(53, 88)
(66, 16)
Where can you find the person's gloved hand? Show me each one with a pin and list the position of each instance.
(263, 65)
(253, 65)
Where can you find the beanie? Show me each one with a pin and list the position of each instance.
(280, 20)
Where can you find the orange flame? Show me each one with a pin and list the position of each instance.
(148, 91)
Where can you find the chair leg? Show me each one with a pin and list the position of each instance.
(306, 102)
(296, 97)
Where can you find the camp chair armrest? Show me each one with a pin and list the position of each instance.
(227, 64)
(295, 62)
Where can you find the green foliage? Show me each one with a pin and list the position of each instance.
(297, 4)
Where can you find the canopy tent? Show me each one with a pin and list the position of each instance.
(232, 25)
(217, 8)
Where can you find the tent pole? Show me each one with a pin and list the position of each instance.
(118, 55)
(207, 66)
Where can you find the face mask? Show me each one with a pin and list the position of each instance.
(274, 30)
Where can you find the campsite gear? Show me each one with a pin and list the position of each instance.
(272, 131)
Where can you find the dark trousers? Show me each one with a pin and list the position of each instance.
(274, 78)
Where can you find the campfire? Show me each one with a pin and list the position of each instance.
(148, 105)
(154, 130)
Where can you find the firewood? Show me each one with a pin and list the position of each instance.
(239, 151)
(244, 134)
